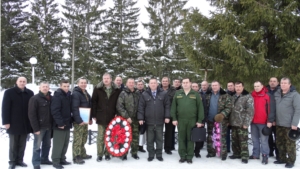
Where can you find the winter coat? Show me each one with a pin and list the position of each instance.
(264, 107)
(287, 108)
(127, 104)
(272, 91)
(79, 100)
(154, 111)
(170, 92)
(224, 103)
(242, 110)
(187, 106)
(15, 110)
(203, 97)
(39, 112)
(104, 108)
(61, 108)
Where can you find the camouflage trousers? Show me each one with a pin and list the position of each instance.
(100, 141)
(239, 137)
(79, 139)
(210, 149)
(286, 147)
(135, 137)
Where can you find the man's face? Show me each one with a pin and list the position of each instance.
(273, 82)
(153, 84)
(258, 86)
(65, 87)
(165, 82)
(44, 88)
(215, 87)
(176, 83)
(230, 87)
(186, 84)
(238, 88)
(82, 84)
(130, 84)
(106, 80)
(21, 82)
(118, 81)
(204, 86)
(285, 85)
(140, 86)
(195, 87)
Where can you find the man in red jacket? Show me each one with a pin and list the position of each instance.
(264, 114)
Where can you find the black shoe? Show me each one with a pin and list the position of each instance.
(197, 155)
(182, 160)
(37, 167)
(46, 162)
(224, 158)
(78, 160)
(189, 161)
(253, 158)
(271, 155)
(264, 159)
(11, 166)
(150, 159)
(228, 151)
(135, 156)
(234, 157)
(279, 162)
(159, 158)
(289, 165)
(210, 156)
(245, 161)
(22, 164)
(141, 149)
(87, 157)
(58, 166)
(124, 158)
(107, 158)
(64, 162)
(99, 159)
(168, 152)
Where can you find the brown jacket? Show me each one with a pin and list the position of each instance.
(103, 108)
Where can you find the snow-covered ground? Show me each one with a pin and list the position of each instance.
(170, 161)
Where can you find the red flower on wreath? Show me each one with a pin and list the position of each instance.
(118, 136)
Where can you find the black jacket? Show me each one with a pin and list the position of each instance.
(15, 110)
(170, 92)
(79, 100)
(203, 97)
(39, 112)
(61, 109)
(154, 111)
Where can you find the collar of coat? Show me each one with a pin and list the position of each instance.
(129, 91)
(101, 85)
(244, 92)
(222, 92)
(18, 90)
(158, 90)
(170, 87)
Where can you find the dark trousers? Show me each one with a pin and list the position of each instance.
(17, 145)
(155, 135)
(228, 138)
(60, 145)
(42, 140)
(272, 142)
(169, 141)
(198, 147)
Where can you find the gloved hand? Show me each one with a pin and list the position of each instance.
(219, 117)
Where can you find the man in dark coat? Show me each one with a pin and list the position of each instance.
(169, 141)
(80, 98)
(104, 101)
(154, 109)
(62, 123)
(142, 128)
(41, 122)
(16, 121)
(230, 91)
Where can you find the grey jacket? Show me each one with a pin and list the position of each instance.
(154, 111)
(287, 108)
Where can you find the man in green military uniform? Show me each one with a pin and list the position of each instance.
(127, 106)
(186, 112)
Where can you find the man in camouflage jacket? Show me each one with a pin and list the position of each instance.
(218, 100)
(240, 119)
(127, 106)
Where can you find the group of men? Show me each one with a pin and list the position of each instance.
(152, 110)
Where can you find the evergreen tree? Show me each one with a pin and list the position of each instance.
(14, 61)
(246, 40)
(45, 41)
(123, 39)
(164, 56)
(84, 25)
